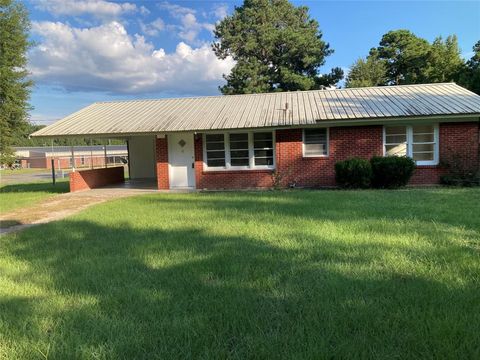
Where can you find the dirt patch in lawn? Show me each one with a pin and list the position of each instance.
(59, 207)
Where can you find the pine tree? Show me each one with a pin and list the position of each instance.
(367, 72)
(276, 46)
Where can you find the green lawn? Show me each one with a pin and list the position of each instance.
(287, 275)
(20, 195)
(8, 172)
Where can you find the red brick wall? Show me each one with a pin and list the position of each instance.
(460, 140)
(90, 179)
(344, 142)
(161, 153)
(37, 163)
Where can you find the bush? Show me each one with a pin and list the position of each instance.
(466, 180)
(353, 173)
(461, 170)
(391, 172)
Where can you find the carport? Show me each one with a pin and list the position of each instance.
(141, 169)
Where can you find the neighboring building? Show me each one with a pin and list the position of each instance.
(239, 141)
(85, 156)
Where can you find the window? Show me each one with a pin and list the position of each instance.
(239, 153)
(215, 150)
(82, 160)
(315, 142)
(423, 143)
(396, 140)
(420, 142)
(247, 150)
(263, 148)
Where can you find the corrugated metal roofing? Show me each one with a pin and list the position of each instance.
(266, 110)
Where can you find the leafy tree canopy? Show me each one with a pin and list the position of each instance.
(404, 58)
(469, 75)
(14, 85)
(23, 139)
(276, 46)
(367, 72)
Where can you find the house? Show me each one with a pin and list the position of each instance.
(241, 141)
(41, 157)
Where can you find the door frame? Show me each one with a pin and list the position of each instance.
(170, 168)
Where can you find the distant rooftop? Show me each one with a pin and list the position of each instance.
(282, 109)
(61, 149)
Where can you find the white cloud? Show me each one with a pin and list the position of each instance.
(153, 28)
(144, 10)
(189, 27)
(106, 58)
(98, 8)
(176, 10)
(220, 11)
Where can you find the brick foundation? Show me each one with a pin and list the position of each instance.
(90, 179)
(461, 139)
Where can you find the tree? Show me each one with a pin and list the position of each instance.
(444, 60)
(14, 85)
(405, 55)
(367, 72)
(405, 58)
(276, 46)
(469, 74)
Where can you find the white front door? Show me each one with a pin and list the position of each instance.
(181, 160)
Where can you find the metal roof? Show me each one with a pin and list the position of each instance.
(282, 109)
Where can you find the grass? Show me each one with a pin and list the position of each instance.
(15, 196)
(7, 172)
(301, 274)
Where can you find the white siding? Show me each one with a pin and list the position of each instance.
(142, 157)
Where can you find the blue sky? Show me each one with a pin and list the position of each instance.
(96, 50)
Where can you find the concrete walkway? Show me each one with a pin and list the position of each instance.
(61, 206)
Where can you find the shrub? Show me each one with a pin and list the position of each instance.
(461, 171)
(468, 179)
(353, 173)
(391, 172)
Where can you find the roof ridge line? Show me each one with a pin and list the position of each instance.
(268, 93)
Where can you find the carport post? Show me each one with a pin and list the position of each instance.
(53, 170)
(73, 158)
(105, 154)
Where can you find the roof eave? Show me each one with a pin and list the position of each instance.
(319, 123)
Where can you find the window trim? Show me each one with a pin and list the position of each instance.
(328, 143)
(409, 133)
(251, 152)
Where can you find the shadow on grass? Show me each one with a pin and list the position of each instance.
(124, 292)
(9, 223)
(46, 187)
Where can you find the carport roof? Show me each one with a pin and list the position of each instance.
(281, 109)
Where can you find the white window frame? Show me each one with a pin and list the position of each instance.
(251, 153)
(409, 133)
(328, 144)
